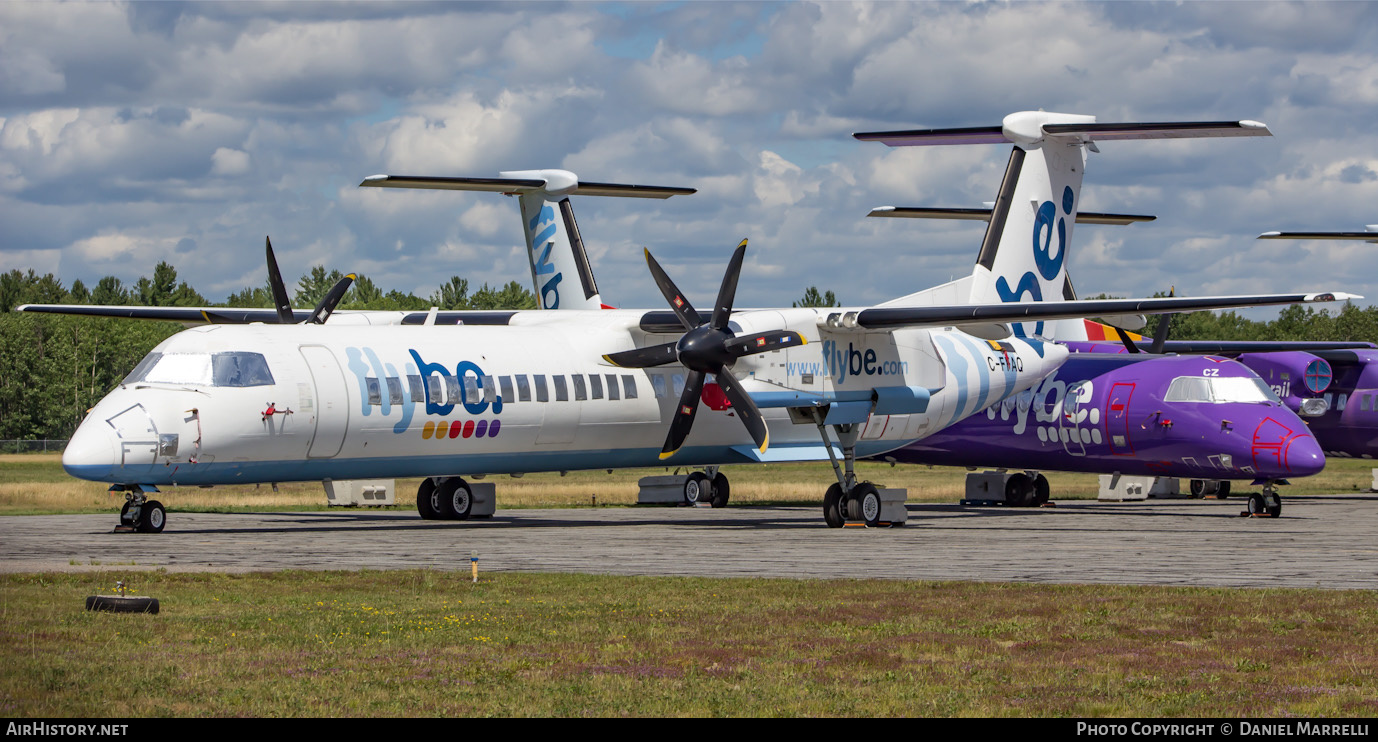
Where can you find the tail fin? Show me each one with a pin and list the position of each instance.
(1023, 255)
(560, 271)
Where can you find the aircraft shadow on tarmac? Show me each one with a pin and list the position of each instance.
(739, 517)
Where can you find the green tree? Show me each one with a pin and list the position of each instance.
(813, 299)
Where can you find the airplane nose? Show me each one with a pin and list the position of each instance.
(1304, 456)
(91, 453)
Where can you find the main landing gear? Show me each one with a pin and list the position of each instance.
(707, 486)
(140, 514)
(444, 498)
(848, 500)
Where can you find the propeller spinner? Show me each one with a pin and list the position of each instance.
(707, 348)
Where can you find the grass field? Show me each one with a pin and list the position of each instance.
(422, 643)
(36, 484)
(430, 643)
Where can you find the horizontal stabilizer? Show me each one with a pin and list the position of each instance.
(557, 182)
(1369, 236)
(1083, 217)
(1028, 128)
(1230, 347)
(888, 317)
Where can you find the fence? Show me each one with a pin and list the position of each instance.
(54, 445)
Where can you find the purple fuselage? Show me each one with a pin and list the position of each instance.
(1184, 416)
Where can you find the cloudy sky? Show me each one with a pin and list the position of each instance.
(133, 133)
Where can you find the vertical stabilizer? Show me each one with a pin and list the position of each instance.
(560, 271)
(1023, 257)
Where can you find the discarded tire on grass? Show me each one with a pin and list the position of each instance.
(121, 604)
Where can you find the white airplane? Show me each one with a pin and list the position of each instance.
(444, 395)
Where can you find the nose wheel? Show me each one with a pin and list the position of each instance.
(1265, 504)
(140, 514)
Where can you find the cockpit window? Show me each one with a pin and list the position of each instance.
(241, 369)
(1219, 389)
(236, 369)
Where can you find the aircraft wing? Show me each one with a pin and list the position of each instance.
(1369, 236)
(877, 318)
(243, 316)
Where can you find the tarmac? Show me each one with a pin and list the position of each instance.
(1322, 541)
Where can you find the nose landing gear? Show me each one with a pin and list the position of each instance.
(1265, 504)
(140, 514)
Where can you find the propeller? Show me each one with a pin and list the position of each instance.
(283, 305)
(1164, 322)
(707, 348)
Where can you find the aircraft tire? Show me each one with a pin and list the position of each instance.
(152, 518)
(1019, 491)
(1258, 505)
(121, 604)
(867, 499)
(1042, 490)
(455, 499)
(721, 490)
(832, 507)
(426, 500)
(125, 518)
(697, 488)
(1198, 488)
(1224, 490)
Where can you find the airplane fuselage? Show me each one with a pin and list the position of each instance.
(260, 403)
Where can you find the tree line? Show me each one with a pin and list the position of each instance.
(53, 368)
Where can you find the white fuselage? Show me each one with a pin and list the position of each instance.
(359, 401)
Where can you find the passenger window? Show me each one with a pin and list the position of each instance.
(394, 390)
(561, 389)
(542, 395)
(490, 388)
(375, 392)
(471, 393)
(678, 381)
(612, 387)
(596, 382)
(629, 386)
(523, 388)
(505, 382)
(580, 392)
(434, 387)
(452, 391)
(414, 386)
(658, 384)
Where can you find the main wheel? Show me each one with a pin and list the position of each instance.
(428, 500)
(1198, 488)
(1019, 491)
(125, 518)
(720, 490)
(455, 499)
(153, 517)
(697, 488)
(832, 507)
(1042, 491)
(867, 498)
(1224, 490)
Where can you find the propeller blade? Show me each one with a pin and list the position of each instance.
(1127, 341)
(1164, 322)
(280, 300)
(684, 413)
(654, 355)
(745, 345)
(746, 410)
(681, 306)
(723, 309)
(328, 302)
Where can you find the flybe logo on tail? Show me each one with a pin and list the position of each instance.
(542, 243)
(1048, 219)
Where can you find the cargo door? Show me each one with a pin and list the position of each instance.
(1117, 419)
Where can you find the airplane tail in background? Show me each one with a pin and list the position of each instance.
(560, 271)
(1023, 255)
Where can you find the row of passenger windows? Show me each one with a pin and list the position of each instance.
(517, 388)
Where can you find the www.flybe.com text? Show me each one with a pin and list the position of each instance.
(839, 363)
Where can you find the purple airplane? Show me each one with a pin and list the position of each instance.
(1205, 418)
